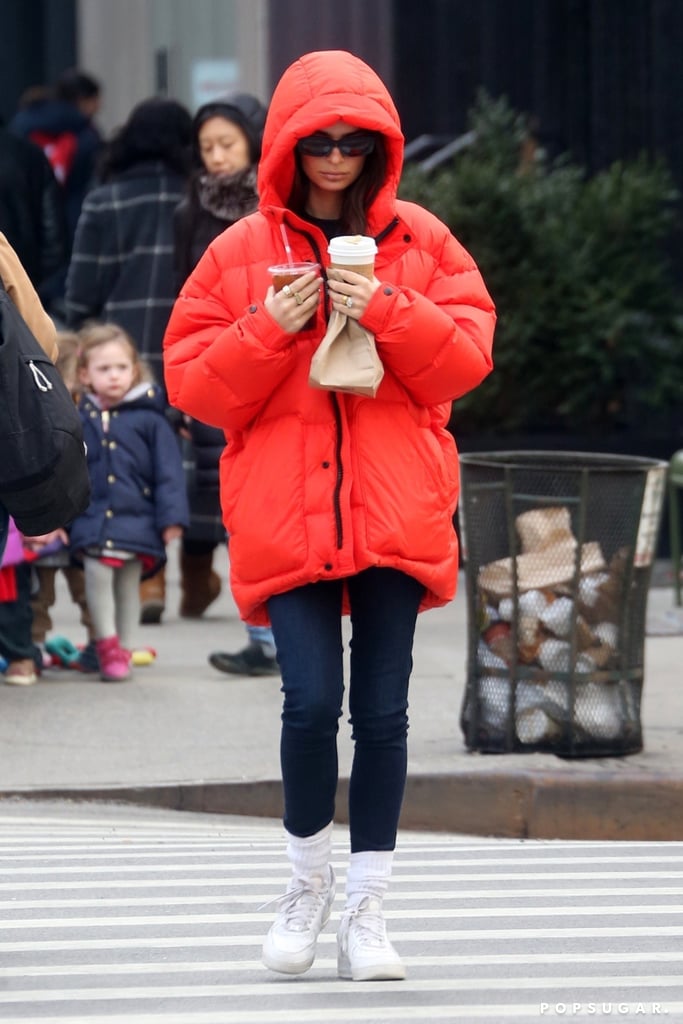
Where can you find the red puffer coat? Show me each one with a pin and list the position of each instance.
(319, 485)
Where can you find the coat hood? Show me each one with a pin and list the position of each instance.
(315, 92)
(52, 117)
(145, 395)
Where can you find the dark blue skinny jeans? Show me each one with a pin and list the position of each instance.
(16, 619)
(308, 636)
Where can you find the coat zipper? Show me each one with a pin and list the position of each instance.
(336, 502)
(340, 471)
(339, 526)
(318, 256)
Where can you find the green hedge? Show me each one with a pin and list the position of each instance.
(589, 318)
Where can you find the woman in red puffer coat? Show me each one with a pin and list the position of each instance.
(335, 503)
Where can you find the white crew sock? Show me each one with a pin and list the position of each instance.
(310, 855)
(368, 875)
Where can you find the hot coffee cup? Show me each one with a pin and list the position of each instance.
(352, 252)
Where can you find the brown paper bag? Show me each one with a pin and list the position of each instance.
(549, 567)
(346, 359)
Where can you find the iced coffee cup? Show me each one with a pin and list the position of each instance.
(352, 252)
(287, 273)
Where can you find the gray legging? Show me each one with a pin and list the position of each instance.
(113, 596)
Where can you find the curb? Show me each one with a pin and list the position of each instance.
(521, 805)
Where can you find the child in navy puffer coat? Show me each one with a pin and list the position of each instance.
(139, 501)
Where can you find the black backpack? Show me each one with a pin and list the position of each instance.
(44, 481)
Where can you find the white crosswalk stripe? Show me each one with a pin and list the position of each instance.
(127, 916)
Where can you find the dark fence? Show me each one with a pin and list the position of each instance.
(601, 78)
(37, 42)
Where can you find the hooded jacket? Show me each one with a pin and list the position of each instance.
(136, 476)
(32, 211)
(54, 119)
(318, 485)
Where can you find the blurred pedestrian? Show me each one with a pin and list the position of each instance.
(335, 503)
(226, 142)
(56, 557)
(61, 121)
(17, 284)
(139, 503)
(32, 216)
(17, 649)
(122, 263)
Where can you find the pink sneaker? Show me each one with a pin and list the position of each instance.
(114, 660)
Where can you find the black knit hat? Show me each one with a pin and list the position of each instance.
(243, 110)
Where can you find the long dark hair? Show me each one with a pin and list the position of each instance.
(358, 197)
(156, 129)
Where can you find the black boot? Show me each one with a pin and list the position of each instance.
(250, 661)
(153, 597)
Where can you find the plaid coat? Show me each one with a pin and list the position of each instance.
(122, 264)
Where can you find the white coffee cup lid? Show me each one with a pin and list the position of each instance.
(352, 249)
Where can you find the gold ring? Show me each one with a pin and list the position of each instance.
(297, 298)
(348, 301)
(287, 291)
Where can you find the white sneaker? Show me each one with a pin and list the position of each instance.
(304, 911)
(364, 952)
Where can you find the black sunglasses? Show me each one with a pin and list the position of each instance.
(320, 144)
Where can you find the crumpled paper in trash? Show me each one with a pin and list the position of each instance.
(548, 567)
(546, 615)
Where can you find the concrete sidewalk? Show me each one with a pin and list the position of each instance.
(185, 736)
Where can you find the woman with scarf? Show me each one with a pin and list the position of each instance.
(226, 143)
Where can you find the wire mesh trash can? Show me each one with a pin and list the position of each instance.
(558, 550)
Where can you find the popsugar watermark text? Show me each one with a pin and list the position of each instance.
(616, 1009)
